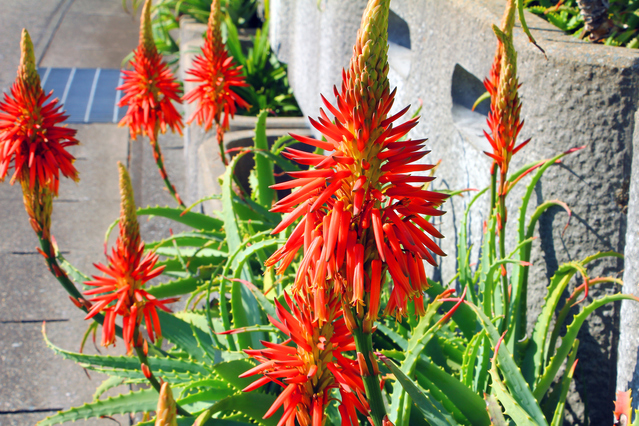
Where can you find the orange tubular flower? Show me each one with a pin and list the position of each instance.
(310, 364)
(150, 89)
(362, 208)
(502, 85)
(128, 269)
(30, 131)
(217, 74)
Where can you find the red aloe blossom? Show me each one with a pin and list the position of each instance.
(505, 106)
(309, 364)
(362, 208)
(30, 131)
(150, 88)
(217, 74)
(149, 92)
(128, 269)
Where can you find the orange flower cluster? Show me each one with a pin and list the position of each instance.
(30, 131)
(310, 363)
(128, 269)
(217, 74)
(505, 107)
(150, 88)
(362, 209)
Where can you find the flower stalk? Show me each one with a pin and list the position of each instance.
(370, 375)
(361, 207)
(216, 74)
(505, 124)
(149, 92)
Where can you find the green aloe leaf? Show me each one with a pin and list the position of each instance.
(230, 372)
(134, 402)
(263, 167)
(558, 416)
(568, 339)
(513, 408)
(400, 409)
(432, 409)
(181, 334)
(175, 287)
(107, 384)
(194, 220)
(253, 405)
(513, 378)
(494, 411)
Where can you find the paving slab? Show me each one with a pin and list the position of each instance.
(107, 34)
(35, 16)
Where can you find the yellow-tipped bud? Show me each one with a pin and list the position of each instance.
(129, 226)
(166, 413)
(27, 71)
(214, 31)
(146, 32)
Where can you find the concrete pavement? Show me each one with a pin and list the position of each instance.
(34, 383)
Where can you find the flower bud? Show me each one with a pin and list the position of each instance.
(166, 413)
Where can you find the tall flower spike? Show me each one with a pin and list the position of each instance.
(31, 136)
(309, 364)
(121, 293)
(149, 92)
(362, 210)
(216, 74)
(150, 88)
(502, 85)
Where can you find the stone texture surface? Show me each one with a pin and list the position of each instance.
(583, 94)
(628, 374)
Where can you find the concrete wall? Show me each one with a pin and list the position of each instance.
(583, 94)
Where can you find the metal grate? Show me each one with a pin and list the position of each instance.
(87, 94)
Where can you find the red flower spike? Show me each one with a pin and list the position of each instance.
(505, 106)
(365, 182)
(216, 74)
(128, 269)
(34, 142)
(310, 363)
(150, 88)
(30, 131)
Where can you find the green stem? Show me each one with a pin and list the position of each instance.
(152, 380)
(493, 203)
(220, 142)
(502, 255)
(364, 345)
(63, 278)
(159, 161)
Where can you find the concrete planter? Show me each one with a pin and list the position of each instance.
(211, 168)
(584, 94)
(201, 161)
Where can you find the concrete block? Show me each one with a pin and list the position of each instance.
(583, 94)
